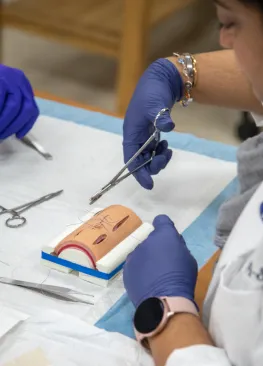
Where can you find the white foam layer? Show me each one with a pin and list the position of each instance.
(111, 260)
(76, 256)
(108, 263)
(119, 253)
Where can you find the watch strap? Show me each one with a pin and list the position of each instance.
(179, 304)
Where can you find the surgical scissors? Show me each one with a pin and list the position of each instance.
(117, 178)
(16, 220)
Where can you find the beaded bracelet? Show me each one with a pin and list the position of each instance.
(190, 72)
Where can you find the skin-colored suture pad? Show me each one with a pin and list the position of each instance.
(96, 249)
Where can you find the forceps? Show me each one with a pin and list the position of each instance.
(117, 178)
(16, 220)
(34, 144)
(62, 292)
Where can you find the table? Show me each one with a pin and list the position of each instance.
(92, 125)
(206, 271)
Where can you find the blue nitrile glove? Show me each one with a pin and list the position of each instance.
(18, 109)
(160, 266)
(159, 87)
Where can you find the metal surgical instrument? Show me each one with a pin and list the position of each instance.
(34, 144)
(117, 178)
(16, 220)
(61, 292)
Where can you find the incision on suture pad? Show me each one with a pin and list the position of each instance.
(100, 239)
(120, 223)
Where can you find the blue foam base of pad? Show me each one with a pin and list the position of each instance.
(79, 268)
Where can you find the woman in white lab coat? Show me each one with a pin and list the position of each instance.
(160, 275)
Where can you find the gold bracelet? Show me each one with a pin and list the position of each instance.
(194, 70)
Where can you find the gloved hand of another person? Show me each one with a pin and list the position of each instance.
(159, 87)
(18, 109)
(160, 266)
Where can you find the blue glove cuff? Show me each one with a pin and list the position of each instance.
(166, 70)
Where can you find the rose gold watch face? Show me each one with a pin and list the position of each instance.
(102, 232)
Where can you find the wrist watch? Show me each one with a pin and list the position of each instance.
(153, 314)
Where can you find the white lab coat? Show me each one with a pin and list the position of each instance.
(234, 304)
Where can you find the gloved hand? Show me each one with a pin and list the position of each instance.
(18, 109)
(160, 266)
(159, 87)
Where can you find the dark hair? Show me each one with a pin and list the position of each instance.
(255, 3)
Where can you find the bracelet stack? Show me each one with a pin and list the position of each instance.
(190, 72)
